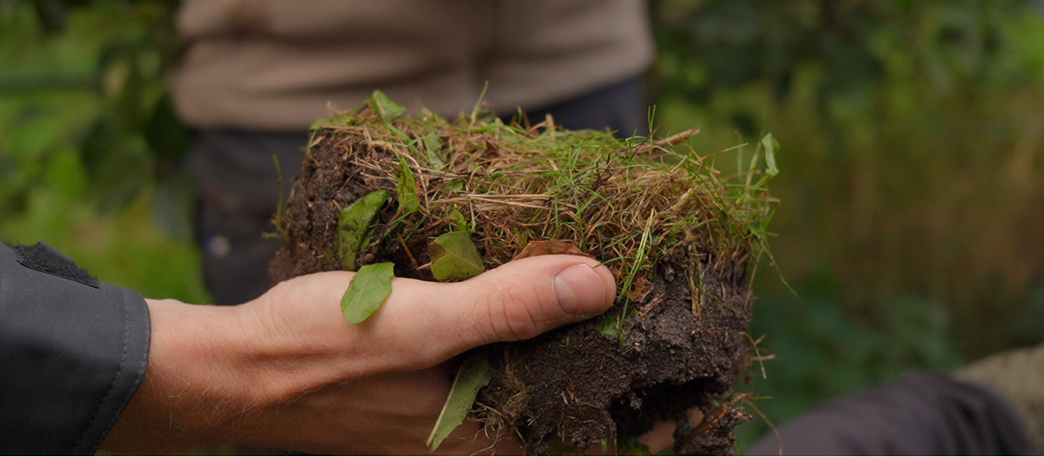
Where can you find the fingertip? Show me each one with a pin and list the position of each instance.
(583, 290)
(610, 283)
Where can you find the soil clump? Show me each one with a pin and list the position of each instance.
(679, 241)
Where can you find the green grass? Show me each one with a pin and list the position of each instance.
(631, 202)
(909, 224)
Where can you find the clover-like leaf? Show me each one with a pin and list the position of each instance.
(407, 188)
(389, 110)
(472, 376)
(458, 218)
(354, 224)
(367, 291)
(454, 256)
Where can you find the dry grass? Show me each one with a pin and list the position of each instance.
(628, 202)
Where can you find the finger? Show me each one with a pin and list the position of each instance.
(422, 324)
(426, 323)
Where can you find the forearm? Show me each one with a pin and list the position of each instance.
(207, 383)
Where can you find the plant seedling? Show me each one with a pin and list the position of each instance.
(454, 257)
(354, 224)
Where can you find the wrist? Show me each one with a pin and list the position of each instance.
(194, 390)
(286, 351)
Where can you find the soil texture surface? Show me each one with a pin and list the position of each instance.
(674, 340)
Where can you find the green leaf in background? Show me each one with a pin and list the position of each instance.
(367, 291)
(389, 110)
(454, 256)
(456, 185)
(770, 145)
(354, 224)
(342, 120)
(407, 188)
(432, 150)
(472, 376)
(166, 136)
(118, 165)
(458, 218)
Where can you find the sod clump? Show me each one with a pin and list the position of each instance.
(682, 239)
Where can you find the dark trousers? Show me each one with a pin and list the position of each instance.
(921, 414)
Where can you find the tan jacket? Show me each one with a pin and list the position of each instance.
(275, 64)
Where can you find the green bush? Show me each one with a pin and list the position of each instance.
(911, 175)
(88, 143)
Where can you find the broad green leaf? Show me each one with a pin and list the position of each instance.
(472, 376)
(770, 145)
(454, 256)
(354, 224)
(367, 291)
(389, 110)
(407, 188)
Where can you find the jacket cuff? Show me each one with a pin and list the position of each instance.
(73, 351)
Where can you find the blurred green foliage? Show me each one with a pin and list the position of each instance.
(912, 159)
(89, 144)
(911, 183)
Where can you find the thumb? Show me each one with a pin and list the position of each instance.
(518, 300)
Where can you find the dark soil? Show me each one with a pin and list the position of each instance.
(580, 386)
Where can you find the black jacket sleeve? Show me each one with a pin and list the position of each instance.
(73, 351)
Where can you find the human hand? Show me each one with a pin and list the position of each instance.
(287, 371)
